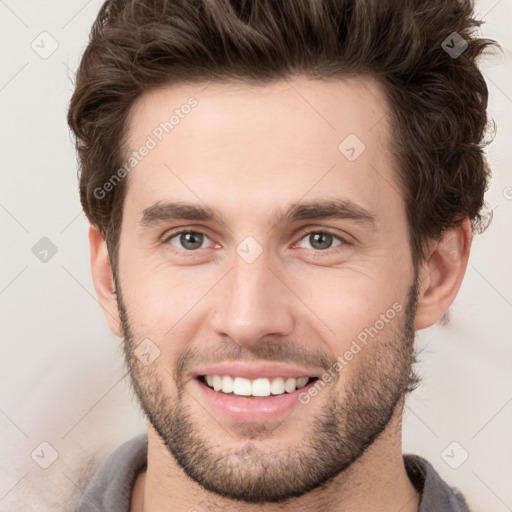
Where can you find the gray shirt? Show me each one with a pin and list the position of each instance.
(109, 490)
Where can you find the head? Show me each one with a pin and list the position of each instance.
(284, 183)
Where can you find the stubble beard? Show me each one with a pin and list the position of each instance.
(348, 422)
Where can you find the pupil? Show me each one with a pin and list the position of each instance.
(318, 238)
(191, 240)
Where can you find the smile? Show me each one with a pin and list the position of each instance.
(259, 387)
(245, 400)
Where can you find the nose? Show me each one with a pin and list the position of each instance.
(252, 302)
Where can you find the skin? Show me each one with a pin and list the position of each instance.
(247, 152)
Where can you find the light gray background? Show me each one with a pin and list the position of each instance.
(61, 368)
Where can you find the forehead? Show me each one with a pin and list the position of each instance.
(247, 148)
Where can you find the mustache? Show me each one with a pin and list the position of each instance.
(275, 351)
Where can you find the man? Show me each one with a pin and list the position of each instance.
(280, 195)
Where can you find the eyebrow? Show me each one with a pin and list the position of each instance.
(328, 209)
(311, 210)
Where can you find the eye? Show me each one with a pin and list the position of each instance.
(187, 240)
(321, 240)
(190, 241)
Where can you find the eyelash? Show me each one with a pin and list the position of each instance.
(168, 237)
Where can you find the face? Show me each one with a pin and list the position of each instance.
(260, 248)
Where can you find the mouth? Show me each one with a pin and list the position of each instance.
(250, 400)
(261, 387)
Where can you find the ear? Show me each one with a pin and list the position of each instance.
(103, 280)
(441, 274)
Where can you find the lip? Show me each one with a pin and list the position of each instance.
(250, 410)
(254, 371)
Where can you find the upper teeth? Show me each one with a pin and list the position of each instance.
(256, 387)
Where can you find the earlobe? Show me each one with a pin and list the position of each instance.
(440, 276)
(102, 277)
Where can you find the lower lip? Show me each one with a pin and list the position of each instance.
(258, 409)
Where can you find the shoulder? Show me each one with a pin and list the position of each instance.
(110, 487)
(437, 495)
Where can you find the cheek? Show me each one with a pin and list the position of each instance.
(163, 302)
(346, 301)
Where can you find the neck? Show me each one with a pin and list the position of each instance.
(376, 481)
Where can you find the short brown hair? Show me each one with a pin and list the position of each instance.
(437, 99)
